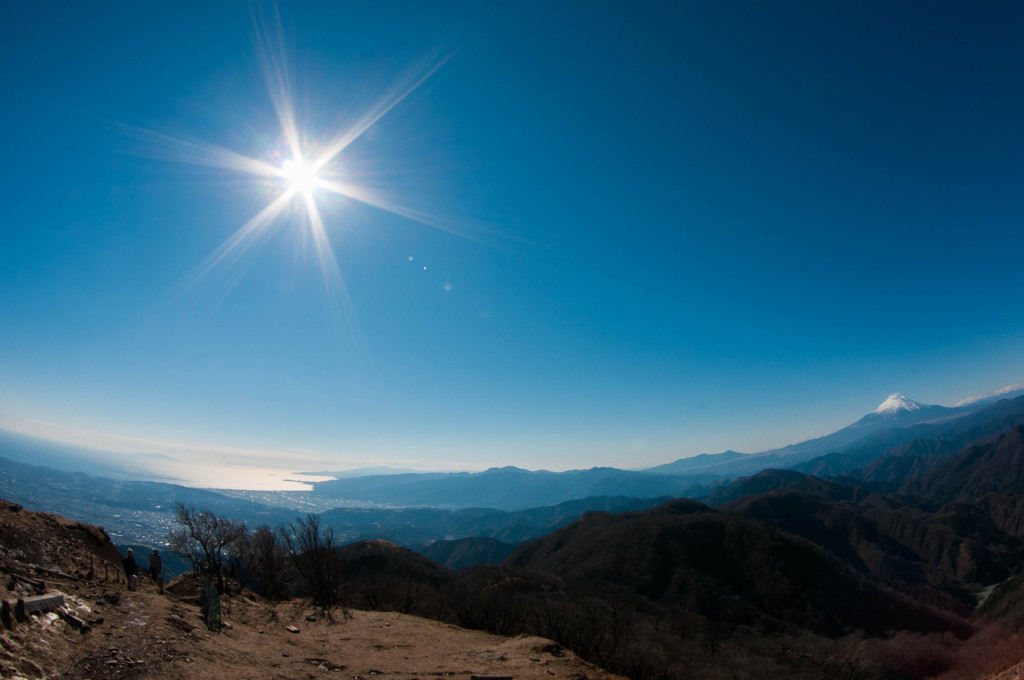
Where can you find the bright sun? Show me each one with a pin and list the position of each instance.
(300, 176)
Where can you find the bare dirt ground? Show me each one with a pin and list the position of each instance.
(146, 634)
(153, 636)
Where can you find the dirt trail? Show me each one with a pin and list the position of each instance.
(148, 635)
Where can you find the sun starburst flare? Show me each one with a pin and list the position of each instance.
(307, 170)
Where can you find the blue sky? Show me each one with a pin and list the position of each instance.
(668, 228)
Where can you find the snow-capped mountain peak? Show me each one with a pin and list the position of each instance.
(897, 403)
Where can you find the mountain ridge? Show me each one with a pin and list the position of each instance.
(896, 413)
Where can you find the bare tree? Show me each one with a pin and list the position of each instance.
(315, 557)
(206, 540)
(267, 562)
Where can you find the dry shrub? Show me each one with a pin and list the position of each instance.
(991, 650)
(915, 655)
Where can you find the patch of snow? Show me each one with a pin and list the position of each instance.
(896, 403)
(985, 592)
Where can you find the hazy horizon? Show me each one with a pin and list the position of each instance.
(227, 468)
(457, 236)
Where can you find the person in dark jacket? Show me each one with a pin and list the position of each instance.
(131, 570)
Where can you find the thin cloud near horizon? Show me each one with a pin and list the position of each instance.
(1002, 390)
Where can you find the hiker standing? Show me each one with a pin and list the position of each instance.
(131, 570)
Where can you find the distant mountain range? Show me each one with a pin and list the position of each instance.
(884, 423)
(65, 457)
(507, 488)
(896, 422)
(141, 513)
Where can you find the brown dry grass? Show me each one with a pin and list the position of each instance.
(148, 635)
